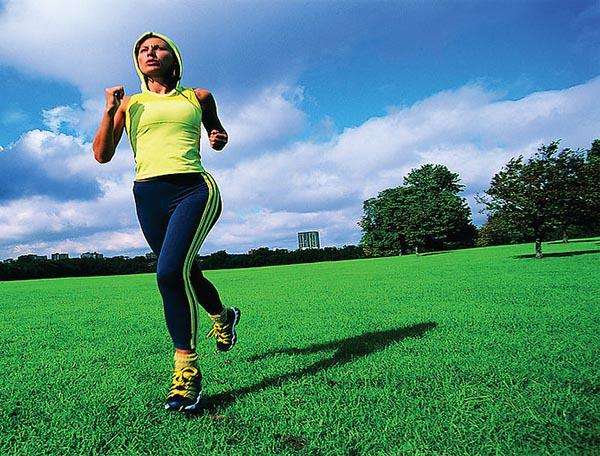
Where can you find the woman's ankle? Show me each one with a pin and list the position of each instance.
(185, 358)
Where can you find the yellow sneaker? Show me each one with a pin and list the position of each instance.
(224, 331)
(186, 390)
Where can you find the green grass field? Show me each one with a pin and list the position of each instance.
(478, 351)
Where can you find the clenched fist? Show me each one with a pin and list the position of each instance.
(218, 139)
(113, 95)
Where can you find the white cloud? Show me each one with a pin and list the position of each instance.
(57, 218)
(267, 119)
(56, 38)
(45, 225)
(469, 130)
(310, 184)
(60, 115)
(88, 43)
(57, 165)
(278, 229)
(41, 216)
(269, 116)
(83, 119)
(112, 242)
(12, 117)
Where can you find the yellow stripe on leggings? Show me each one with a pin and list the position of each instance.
(208, 208)
(199, 239)
(206, 222)
(186, 281)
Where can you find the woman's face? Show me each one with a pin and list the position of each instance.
(155, 57)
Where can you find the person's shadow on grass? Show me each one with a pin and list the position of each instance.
(347, 350)
(559, 254)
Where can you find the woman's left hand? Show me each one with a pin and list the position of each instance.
(218, 139)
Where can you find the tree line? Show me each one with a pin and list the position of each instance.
(29, 268)
(554, 193)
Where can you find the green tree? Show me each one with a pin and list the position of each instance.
(436, 216)
(592, 188)
(542, 194)
(498, 230)
(426, 212)
(566, 189)
(383, 233)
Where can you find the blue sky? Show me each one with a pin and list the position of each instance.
(301, 86)
(355, 59)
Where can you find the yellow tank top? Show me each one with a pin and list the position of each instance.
(164, 132)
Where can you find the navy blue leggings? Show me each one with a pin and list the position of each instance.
(176, 212)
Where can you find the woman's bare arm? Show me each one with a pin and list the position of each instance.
(217, 135)
(111, 126)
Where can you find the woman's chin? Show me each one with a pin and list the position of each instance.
(153, 72)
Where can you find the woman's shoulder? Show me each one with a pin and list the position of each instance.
(133, 96)
(129, 100)
(202, 94)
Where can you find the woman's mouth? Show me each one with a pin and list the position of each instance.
(152, 62)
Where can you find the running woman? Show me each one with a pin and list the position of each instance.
(177, 200)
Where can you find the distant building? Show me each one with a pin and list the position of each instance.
(93, 255)
(308, 240)
(151, 256)
(60, 256)
(32, 257)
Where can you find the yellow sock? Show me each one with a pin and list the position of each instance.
(185, 360)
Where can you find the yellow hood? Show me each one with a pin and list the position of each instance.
(171, 43)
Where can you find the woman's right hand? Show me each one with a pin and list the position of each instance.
(113, 95)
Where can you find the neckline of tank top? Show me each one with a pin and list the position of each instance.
(167, 94)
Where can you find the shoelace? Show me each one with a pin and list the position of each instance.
(220, 331)
(183, 382)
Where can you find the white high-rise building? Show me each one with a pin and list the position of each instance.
(308, 240)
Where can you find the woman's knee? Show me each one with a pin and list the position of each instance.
(169, 276)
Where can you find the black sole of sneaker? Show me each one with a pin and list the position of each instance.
(190, 408)
(195, 407)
